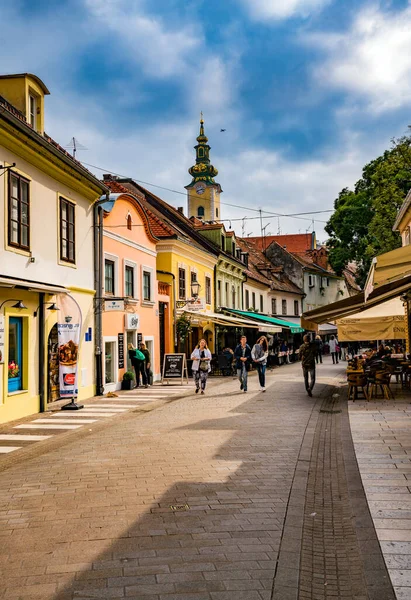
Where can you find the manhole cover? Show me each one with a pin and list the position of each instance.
(179, 507)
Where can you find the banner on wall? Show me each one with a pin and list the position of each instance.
(69, 330)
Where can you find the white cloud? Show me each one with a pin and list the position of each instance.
(372, 60)
(160, 51)
(277, 10)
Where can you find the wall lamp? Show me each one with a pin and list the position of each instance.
(19, 303)
(53, 307)
(195, 289)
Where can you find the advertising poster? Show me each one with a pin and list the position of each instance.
(69, 329)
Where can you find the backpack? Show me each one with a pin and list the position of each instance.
(139, 355)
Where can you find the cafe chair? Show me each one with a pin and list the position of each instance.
(357, 384)
(382, 380)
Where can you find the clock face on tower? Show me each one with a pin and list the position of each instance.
(200, 189)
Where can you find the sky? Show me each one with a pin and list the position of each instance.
(308, 92)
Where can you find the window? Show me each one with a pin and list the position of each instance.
(146, 285)
(284, 306)
(208, 290)
(296, 308)
(219, 299)
(109, 356)
(15, 365)
(129, 222)
(182, 284)
(311, 280)
(200, 212)
(67, 231)
(129, 281)
(109, 276)
(273, 306)
(247, 299)
(253, 297)
(32, 111)
(227, 299)
(223, 243)
(216, 212)
(233, 248)
(193, 277)
(233, 296)
(19, 212)
(261, 303)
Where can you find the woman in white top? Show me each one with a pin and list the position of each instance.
(201, 357)
(333, 343)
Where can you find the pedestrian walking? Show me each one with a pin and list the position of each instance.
(147, 362)
(307, 356)
(201, 357)
(137, 360)
(259, 354)
(318, 350)
(243, 359)
(334, 349)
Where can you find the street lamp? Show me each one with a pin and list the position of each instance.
(19, 304)
(195, 289)
(53, 307)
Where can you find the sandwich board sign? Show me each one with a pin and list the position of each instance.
(174, 368)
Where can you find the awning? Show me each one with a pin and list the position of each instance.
(386, 321)
(388, 267)
(327, 329)
(266, 319)
(221, 319)
(357, 303)
(31, 286)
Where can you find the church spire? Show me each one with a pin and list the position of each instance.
(203, 170)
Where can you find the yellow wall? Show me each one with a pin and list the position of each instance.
(210, 196)
(16, 90)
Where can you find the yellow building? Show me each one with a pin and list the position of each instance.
(46, 253)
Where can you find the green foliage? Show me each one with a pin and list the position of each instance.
(183, 326)
(361, 225)
(128, 376)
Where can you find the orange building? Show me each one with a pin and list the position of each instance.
(130, 299)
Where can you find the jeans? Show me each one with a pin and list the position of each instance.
(140, 367)
(242, 375)
(319, 356)
(334, 356)
(261, 374)
(309, 372)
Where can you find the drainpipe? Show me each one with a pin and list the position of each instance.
(98, 286)
(42, 361)
(174, 305)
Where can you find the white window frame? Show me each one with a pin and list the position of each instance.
(147, 269)
(114, 384)
(274, 305)
(115, 259)
(296, 306)
(261, 303)
(311, 280)
(282, 307)
(133, 265)
(35, 101)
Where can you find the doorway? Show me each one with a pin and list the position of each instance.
(53, 366)
(15, 366)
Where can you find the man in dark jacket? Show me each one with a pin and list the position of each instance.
(242, 355)
(307, 354)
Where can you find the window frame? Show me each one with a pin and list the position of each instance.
(33, 115)
(284, 306)
(261, 303)
(296, 308)
(247, 299)
(113, 262)
(20, 179)
(70, 206)
(253, 299)
(182, 283)
(200, 215)
(129, 269)
(208, 289)
(274, 306)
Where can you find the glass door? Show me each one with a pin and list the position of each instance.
(15, 366)
(131, 339)
(109, 361)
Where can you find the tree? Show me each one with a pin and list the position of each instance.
(361, 225)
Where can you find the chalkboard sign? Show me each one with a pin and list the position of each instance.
(121, 350)
(174, 367)
(139, 339)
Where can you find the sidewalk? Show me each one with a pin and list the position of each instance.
(206, 498)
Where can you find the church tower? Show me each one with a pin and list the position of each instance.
(203, 193)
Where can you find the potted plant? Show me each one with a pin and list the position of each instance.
(128, 379)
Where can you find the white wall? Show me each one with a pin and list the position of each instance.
(321, 293)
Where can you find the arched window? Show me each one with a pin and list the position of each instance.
(216, 213)
(200, 152)
(200, 211)
(129, 222)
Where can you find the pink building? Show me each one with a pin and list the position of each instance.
(131, 312)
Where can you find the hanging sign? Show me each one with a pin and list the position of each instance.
(120, 350)
(69, 328)
(2, 343)
(131, 321)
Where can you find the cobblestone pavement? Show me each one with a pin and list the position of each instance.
(201, 499)
(382, 436)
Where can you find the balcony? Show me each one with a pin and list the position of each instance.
(163, 288)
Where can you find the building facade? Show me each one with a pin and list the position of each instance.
(46, 254)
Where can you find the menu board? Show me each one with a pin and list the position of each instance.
(174, 367)
(121, 350)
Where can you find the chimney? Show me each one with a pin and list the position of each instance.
(107, 177)
(181, 209)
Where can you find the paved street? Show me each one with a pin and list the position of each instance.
(227, 496)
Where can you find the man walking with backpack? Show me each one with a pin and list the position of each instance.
(307, 354)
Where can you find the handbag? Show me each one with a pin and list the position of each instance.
(139, 355)
(203, 365)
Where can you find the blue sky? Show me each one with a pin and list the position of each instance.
(307, 90)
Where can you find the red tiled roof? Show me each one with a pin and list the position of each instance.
(293, 242)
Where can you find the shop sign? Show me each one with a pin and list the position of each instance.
(196, 305)
(174, 367)
(131, 321)
(121, 350)
(68, 328)
(2, 344)
(139, 339)
(114, 305)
